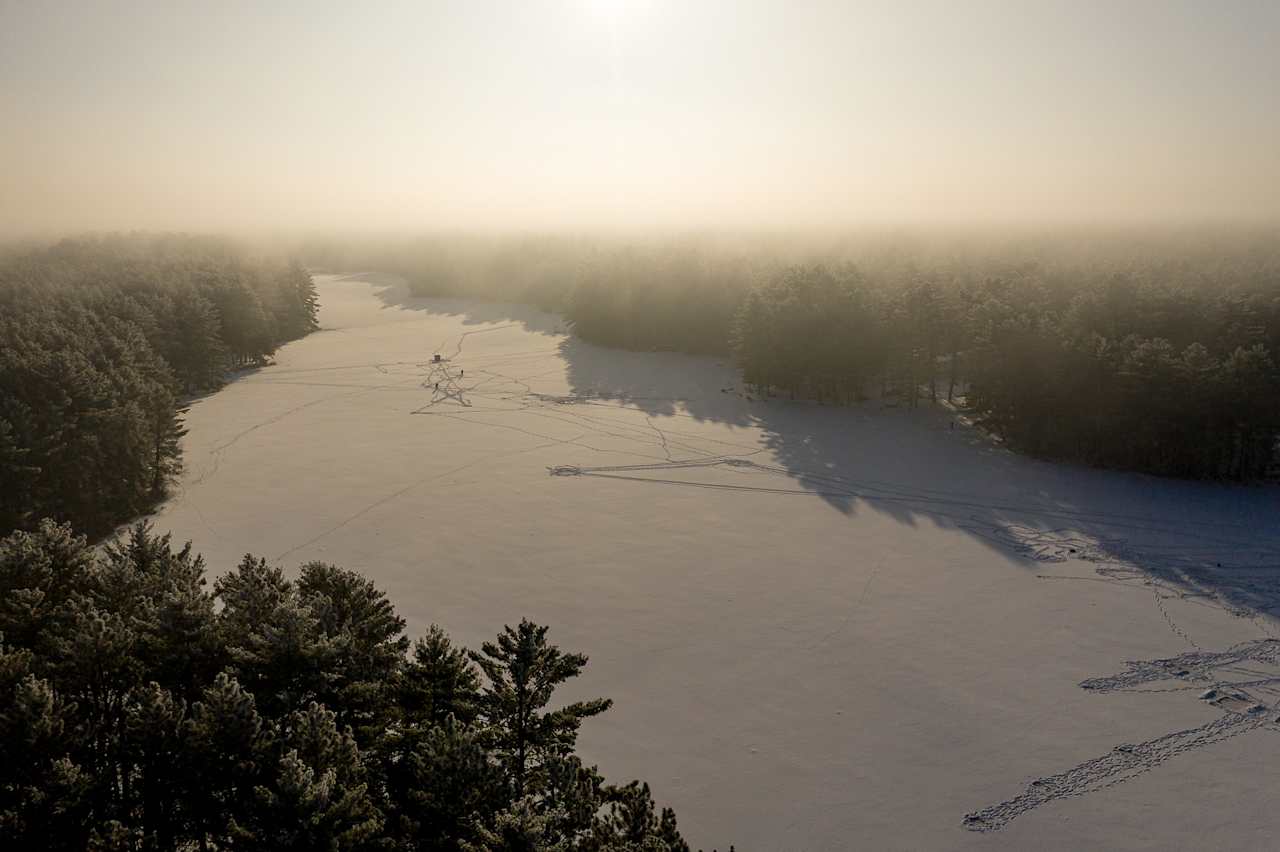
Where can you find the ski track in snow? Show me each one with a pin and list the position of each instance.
(1249, 705)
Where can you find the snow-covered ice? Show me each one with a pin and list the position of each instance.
(823, 628)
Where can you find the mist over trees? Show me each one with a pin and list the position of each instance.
(139, 710)
(1130, 371)
(100, 341)
(1145, 350)
(1151, 352)
(645, 294)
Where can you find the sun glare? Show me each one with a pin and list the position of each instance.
(611, 12)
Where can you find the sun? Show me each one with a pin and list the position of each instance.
(611, 11)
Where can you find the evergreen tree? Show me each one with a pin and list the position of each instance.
(162, 592)
(193, 343)
(40, 574)
(228, 749)
(43, 791)
(133, 716)
(154, 750)
(276, 644)
(246, 327)
(442, 786)
(368, 646)
(632, 825)
(522, 671)
(315, 796)
(101, 338)
(438, 681)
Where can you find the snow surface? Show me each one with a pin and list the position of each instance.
(823, 628)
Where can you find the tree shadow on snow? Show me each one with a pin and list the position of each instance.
(661, 384)
(1195, 539)
(393, 293)
(1192, 538)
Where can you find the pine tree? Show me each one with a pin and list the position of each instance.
(572, 797)
(630, 823)
(155, 757)
(521, 827)
(162, 592)
(193, 343)
(441, 786)
(277, 647)
(437, 682)
(43, 791)
(95, 665)
(315, 796)
(18, 475)
(522, 671)
(228, 746)
(298, 304)
(166, 441)
(368, 645)
(40, 573)
(119, 732)
(244, 325)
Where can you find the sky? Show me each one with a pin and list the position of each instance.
(635, 113)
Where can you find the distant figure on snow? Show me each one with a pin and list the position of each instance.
(437, 386)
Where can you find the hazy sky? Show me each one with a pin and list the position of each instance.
(635, 112)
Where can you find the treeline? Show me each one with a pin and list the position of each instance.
(1143, 350)
(1133, 371)
(140, 711)
(675, 294)
(100, 341)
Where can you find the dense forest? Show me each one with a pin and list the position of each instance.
(101, 340)
(1129, 371)
(138, 710)
(677, 294)
(1151, 351)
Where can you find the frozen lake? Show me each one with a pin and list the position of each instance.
(823, 628)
